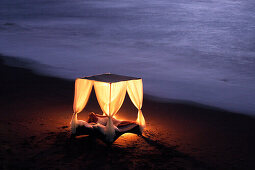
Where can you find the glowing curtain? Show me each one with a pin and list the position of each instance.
(110, 96)
(82, 92)
(81, 95)
(135, 92)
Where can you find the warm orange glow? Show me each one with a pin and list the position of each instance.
(113, 116)
(140, 120)
(135, 91)
(126, 139)
(83, 89)
(81, 136)
(117, 117)
(110, 96)
(126, 135)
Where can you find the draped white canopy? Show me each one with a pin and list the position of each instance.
(110, 91)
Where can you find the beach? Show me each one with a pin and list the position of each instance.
(35, 130)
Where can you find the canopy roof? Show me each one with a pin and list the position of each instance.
(110, 78)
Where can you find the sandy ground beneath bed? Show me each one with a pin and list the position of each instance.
(35, 131)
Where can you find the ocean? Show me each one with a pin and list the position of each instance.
(200, 51)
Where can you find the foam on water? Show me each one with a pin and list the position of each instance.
(201, 51)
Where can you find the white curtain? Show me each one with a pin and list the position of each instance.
(110, 96)
(135, 92)
(81, 95)
(83, 89)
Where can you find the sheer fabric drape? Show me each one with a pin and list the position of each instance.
(135, 92)
(110, 96)
(82, 92)
(83, 89)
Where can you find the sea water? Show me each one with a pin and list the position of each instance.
(194, 50)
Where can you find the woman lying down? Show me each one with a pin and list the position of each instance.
(103, 127)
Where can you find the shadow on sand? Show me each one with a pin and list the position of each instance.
(90, 153)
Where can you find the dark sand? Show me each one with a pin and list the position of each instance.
(36, 111)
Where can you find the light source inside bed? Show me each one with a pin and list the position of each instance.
(110, 92)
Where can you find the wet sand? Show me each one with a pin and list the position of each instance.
(36, 111)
